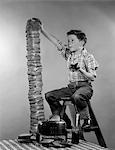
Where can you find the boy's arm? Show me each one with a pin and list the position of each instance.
(52, 38)
(62, 48)
(92, 66)
(89, 75)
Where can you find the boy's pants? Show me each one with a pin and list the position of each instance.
(79, 93)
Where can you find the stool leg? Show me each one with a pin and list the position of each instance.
(77, 117)
(77, 124)
(63, 110)
(98, 132)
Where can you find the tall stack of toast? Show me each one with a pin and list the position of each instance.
(34, 73)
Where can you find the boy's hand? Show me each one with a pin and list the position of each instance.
(74, 67)
(41, 28)
(40, 23)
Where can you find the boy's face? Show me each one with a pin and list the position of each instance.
(73, 43)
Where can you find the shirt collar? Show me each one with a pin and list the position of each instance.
(82, 49)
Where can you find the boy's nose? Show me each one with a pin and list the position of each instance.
(70, 46)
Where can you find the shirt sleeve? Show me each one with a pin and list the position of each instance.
(92, 65)
(64, 51)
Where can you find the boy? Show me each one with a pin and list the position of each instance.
(82, 71)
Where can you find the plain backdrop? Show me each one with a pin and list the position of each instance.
(96, 19)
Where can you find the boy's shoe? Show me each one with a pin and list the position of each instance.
(86, 124)
(54, 118)
(68, 126)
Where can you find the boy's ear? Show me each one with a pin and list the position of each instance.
(82, 43)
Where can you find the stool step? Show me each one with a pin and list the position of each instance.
(65, 99)
(68, 103)
(92, 128)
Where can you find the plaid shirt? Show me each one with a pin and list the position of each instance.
(85, 60)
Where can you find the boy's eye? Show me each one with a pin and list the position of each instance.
(70, 41)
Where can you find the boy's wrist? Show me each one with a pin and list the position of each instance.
(81, 70)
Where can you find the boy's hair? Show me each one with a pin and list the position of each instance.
(80, 35)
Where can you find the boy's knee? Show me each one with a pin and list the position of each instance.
(47, 95)
(77, 100)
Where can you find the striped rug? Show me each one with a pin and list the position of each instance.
(15, 145)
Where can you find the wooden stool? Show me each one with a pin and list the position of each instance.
(94, 124)
(66, 102)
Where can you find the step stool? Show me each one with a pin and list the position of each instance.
(94, 124)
